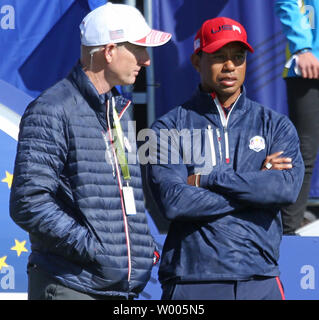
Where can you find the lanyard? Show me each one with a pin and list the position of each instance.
(118, 140)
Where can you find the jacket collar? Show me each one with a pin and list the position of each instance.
(97, 101)
(205, 103)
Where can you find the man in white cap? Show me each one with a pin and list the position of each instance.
(74, 189)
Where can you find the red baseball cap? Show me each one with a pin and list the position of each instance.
(217, 32)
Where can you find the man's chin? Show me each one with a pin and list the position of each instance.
(129, 81)
(229, 91)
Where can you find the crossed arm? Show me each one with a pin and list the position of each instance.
(272, 162)
(226, 190)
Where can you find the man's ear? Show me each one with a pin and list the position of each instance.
(109, 51)
(195, 59)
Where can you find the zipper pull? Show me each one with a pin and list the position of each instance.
(219, 145)
(226, 145)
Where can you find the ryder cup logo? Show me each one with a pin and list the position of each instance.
(257, 143)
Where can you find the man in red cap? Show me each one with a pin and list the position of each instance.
(238, 163)
(215, 41)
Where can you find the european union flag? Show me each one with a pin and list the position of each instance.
(14, 242)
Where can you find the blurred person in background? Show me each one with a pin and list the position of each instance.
(300, 23)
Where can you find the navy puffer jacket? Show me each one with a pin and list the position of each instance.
(66, 193)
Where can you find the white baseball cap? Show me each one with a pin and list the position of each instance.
(114, 23)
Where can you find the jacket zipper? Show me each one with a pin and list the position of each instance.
(211, 143)
(224, 119)
(121, 193)
(219, 145)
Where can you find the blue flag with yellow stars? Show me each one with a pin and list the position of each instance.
(14, 242)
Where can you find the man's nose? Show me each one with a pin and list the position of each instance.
(229, 65)
(145, 59)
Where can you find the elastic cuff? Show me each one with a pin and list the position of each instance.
(207, 180)
(304, 50)
(204, 181)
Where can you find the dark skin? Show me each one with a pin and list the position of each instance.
(223, 72)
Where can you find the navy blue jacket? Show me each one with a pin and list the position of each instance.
(66, 193)
(228, 228)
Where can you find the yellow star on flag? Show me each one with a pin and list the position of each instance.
(2, 262)
(8, 179)
(19, 247)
